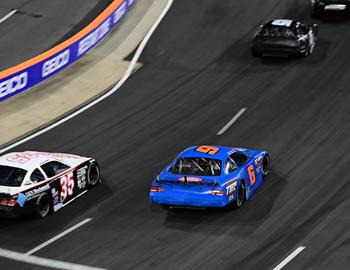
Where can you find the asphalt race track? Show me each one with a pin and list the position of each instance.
(39, 25)
(198, 74)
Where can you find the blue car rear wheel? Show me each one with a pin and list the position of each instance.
(240, 196)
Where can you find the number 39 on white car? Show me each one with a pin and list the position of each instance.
(42, 182)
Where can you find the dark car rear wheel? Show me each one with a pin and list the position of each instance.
(266, 165)
(93, 174)
(42, 206)
(240, 196)
(304, 54)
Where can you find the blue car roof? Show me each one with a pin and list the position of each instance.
(208, 151)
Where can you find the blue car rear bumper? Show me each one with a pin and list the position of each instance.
(188, 199)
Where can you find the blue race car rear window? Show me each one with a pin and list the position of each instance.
(11, 176)
(197, 166)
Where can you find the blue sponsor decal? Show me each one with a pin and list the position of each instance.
(21, 199)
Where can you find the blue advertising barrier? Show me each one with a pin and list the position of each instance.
(32, 72)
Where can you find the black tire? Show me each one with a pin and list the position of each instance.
(305, 54)
(266, 165)
(93, 174)
(42, 206)
(240, 196)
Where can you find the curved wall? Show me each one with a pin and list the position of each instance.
(33, 71)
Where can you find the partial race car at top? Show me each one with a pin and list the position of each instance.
(330, 8)
(39, 182)
(210, 176)
(284, 38)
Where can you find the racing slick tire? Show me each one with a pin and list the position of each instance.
(304, 54)
(93, 174)
(240, 196)
(266, 165)
(42, 206)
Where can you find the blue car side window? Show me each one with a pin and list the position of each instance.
(239, 158)
(230, 166)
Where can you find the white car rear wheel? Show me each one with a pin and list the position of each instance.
(42, 206)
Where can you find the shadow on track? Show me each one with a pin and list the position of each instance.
(26, 225)
(253, 213)
(240, 53)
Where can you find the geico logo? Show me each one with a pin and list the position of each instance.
(92, 39)
(55, 63)
(119, 13)
(14, 84)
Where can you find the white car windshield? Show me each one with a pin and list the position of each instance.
(11, 176)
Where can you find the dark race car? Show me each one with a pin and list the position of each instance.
(330, 8)
(284, 38)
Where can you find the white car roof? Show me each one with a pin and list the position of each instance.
(282, 22)
(30, 160)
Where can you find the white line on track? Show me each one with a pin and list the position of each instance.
(289, 258)
(126, 76)
(45, 244)
(47, 263)
(8, 15)
(231, 122)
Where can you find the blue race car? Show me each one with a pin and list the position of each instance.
(210, 176)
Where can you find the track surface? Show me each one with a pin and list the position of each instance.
(39, 25)
(198, 74)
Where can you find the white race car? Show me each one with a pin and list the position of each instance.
(42, 182)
